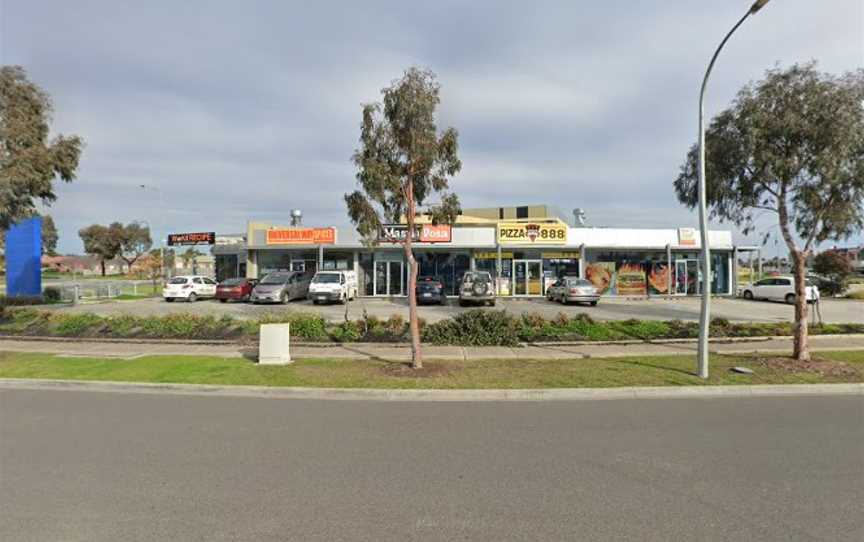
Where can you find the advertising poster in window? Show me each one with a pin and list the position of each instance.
(631, 279)
(658, 279)
(602, 276)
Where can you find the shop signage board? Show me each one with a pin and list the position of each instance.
(301, 236)
(527, 233)
(567, 255)
(197, 238)
(423, 233)
(687, 237)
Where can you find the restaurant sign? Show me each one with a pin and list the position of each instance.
(686, 237)
(527, 233)
(301, 236)
(198, 238)
(423, 233)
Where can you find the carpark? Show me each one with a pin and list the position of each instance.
(683, 308)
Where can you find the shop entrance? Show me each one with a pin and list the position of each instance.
(389, 278)
(687, 277)
(527, 277)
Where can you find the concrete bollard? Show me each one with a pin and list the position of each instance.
(273, 344)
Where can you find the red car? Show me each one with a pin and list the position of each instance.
(236, 289)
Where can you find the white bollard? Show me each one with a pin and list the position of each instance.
(273, 343)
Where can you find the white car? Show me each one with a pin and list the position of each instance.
(190, 287)
(337, 286)
(778, 289)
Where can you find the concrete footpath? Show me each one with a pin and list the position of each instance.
(400, 352)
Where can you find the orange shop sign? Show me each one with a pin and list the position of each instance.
(301, 236)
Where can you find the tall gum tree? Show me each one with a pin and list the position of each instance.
(790, 145)
(401, 163)
(29, 162)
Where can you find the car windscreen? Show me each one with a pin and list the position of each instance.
(275, 279)
(177, 280)
(326, 278)
(580, 282)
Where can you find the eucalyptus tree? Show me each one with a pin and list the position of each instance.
(791, 146)
(403, 162)
(29, 160)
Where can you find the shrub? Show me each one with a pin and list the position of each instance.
(346, 332)
(51, 295)
(857, 294)
(77, 325)
(475, 328)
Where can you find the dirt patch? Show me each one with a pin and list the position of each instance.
(823, 367)
(404, 370)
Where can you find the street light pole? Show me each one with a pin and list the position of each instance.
(705, 311)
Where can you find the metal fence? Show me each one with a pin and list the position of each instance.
(93, 290)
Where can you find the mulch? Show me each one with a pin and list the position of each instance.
(823, 367)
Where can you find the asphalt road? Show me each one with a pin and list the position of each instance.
(109, 466)
(738, 310)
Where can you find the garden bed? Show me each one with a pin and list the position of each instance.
(470, 328)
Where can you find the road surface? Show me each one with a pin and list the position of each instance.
(110, 466)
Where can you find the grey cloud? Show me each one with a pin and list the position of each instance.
(239, 111)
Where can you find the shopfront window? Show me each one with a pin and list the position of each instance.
(270, 261)
(338, 261)
(448, 267)
(628, 273)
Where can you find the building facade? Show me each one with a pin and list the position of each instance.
(525, 249)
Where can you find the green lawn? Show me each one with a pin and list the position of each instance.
(594, 373)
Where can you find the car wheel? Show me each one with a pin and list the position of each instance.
(593, 303)
(492, 303)
(192, 298)
(748, 294)
(461, 303)
(169, 299)
(790, 299)
(223, 301)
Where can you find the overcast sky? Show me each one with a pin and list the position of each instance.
(244, 110)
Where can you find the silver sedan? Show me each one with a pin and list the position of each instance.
(573, 290)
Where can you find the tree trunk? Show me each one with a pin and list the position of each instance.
(413, 323)
(102, 263)
(801, 349)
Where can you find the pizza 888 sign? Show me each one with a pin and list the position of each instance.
(532, 233)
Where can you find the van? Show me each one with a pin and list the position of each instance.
(339, 286)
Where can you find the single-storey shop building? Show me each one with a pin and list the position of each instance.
(524, 248)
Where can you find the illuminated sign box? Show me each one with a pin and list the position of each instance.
(301, 236)
(526, 233)
(198, 238)
(423, 233)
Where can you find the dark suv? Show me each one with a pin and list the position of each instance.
(477, 287)
(430, 290)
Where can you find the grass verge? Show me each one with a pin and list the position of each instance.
(489, 374)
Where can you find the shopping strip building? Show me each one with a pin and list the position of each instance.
(524, 248)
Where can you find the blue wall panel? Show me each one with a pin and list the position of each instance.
(24, 258)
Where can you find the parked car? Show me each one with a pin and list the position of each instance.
(430, 290)
(235, 289)
(280, 287)
(477, 287)
(779, 289)
(338, 286)
(189, 287)
(573, 290)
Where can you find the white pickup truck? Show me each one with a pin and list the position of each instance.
(339, 286)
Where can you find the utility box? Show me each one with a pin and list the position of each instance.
(273, 344)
